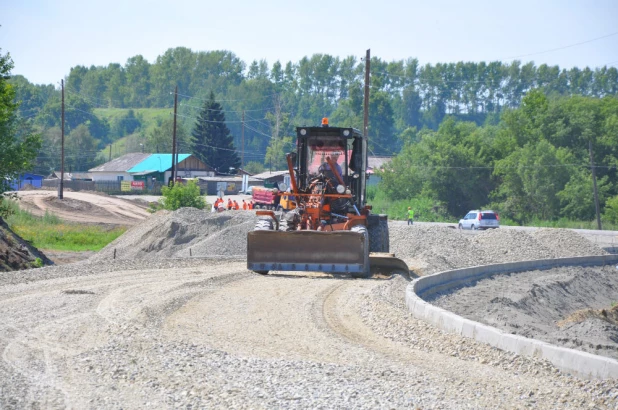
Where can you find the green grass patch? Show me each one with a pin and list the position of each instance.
(148, 116)
(49, 232)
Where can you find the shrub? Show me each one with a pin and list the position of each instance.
(611, 210)
(182, 196)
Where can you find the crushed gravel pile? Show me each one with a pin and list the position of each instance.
(431, 249)
(187, 232)
(566, 243)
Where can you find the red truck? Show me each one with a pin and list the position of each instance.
(264, 198)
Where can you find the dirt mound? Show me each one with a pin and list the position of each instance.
(187, 232)
(17, 254)
(28, 187)
(429, 249)
(566, 243)
(566, 306)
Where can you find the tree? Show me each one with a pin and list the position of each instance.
(159, 139)
(18, 145)
(211, 139)
(81, 149)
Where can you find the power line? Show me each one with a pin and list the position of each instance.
(244, 99)
(561, 48)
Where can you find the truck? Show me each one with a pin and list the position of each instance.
(331, 228)
(270, 198)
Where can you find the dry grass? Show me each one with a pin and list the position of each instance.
(609, 315)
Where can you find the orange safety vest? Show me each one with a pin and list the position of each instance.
(236, 206)
(244, 206)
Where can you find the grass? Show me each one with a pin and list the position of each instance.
(49, 232)
(149, 116)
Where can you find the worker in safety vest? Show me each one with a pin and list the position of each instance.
(410, 216)
(236, 206)
(245, 206)
(230, 205)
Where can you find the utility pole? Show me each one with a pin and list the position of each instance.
(174, 135)
(242, 143)
(61, 185)
(366, 97)
(594, 183)
(110, 152)
(365, 143)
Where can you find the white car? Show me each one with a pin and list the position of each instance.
(480, 220)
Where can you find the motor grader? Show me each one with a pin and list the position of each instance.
(331, 228)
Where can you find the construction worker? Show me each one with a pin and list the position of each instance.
(410, 216)
(230, 205)
(236, 206)
(245, 206)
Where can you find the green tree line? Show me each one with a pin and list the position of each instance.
(534, 164)
(404, 93)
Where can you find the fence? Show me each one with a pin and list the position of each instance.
(109, 187)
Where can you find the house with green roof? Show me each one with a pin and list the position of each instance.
(150, 167)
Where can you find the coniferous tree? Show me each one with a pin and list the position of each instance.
(211, 140)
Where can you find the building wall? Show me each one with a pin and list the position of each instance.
(110, 176)
(27, 179)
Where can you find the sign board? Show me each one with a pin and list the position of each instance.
(125, 186)
(137, 185)
(231, 186)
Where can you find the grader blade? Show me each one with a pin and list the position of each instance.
(387, 263)
(334, 252)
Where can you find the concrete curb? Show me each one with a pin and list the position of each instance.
(573, 361)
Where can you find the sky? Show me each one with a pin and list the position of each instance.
(47, 37)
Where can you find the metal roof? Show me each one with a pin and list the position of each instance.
(157, 163)
(227, 179)
(270, 174)
(121, 164)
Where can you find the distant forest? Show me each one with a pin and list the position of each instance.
(277, 98)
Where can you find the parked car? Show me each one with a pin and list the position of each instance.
(480, 220)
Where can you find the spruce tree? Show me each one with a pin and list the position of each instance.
(211, 140)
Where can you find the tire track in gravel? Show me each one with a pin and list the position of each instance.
(39, 342)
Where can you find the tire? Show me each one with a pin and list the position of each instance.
(473, 228)
(263, 225)
(363, 230)
(378, 237)
(460, 227)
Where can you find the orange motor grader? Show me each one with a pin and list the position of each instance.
(331, 228)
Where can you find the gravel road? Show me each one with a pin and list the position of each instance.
(159, 328)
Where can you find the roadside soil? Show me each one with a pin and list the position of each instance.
(568, 306)
(84, 207)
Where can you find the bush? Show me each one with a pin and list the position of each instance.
(181, 196)
(611, 210)
(425, 209)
